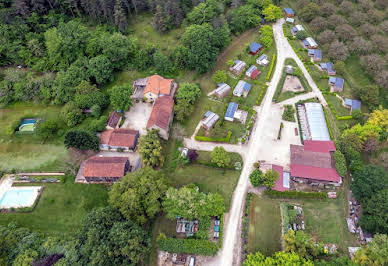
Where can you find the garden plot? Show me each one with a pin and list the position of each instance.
(292, 217)
(293, 84)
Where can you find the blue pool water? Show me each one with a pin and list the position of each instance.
(16, 197)
(28, 121)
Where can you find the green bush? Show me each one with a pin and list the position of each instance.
(295, 194)
(188, 246)
(288, 113)
(203, 138)
(271, 67)
(328, 124)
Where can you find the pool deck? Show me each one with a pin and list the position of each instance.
(6, 186)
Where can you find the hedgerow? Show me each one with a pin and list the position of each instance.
(295, 194)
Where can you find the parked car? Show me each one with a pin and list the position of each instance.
(192, 261)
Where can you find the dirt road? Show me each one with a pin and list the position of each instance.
(259, 148)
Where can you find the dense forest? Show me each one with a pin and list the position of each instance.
(353, 28)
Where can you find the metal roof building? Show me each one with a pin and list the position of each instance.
(316, 122)
(222, 90)
(210, 120)
(310, 43)
(242, 88)
(232, 108)
(297, 28)
(353, 104)
(329, 68)
(289, 11)
(255, 47)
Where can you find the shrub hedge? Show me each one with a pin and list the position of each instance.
(188, 246)
(295, 194)
(271, 67)
(261, 95)
(209, 139)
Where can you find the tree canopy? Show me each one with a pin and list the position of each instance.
(186, 97)
(368, 181)
(374, 253)
(139, 195)
(120, 97)
(279, 258)
(150, 149)
(374, 216)
(106, 238)
(220, 157)
(189, 203)
(82, 140)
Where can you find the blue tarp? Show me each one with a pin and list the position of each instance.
(318, 54)
(247, 86)
(254, 47)
(356, 104)
(232, 108)
(289, 11)
(339, 83)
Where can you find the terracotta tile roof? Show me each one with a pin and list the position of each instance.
(105, 166)
(317, 173)
(120, 137)
(279, 182)
(319, 146)
(314, 161)
(113, 119)
(158, 85)
(300, 156)
(161, 112)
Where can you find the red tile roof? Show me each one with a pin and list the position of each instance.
(105, 166)
(314, 161)
(319, 146)
(158, 85)
(120, 138)
(317, 173)
(113, 119)
(255, 74)
(279, 182)
(161, 112)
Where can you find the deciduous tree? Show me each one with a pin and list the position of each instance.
(82, 140)
(220, 157)
(272, 12)
(374, 216)
(120, 97)
(150, 149)
(139, 195)
(368, 181)
(374, 253)
(220, 76)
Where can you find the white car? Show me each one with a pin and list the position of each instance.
(192, 261)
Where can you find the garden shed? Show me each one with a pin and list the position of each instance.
(242, 89)
(222, 90)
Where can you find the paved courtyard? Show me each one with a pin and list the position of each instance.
(137, 117)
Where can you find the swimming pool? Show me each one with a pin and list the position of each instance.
(16, 197)
(27, 124)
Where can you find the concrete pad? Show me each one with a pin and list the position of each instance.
(137, 117)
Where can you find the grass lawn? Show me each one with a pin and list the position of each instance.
(61, 208)
(265, 226)
(26, 151)
(324, 219)
(337, 104)
(282, 96)
(161, 225)
(237, 49)
(141, 27)
(208, 179)
(28, 156)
